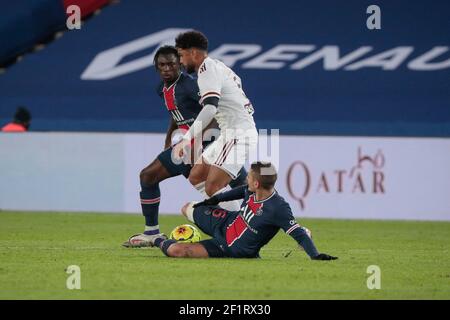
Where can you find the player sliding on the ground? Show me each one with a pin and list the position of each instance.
(243, 233)
(180, 94)
(222, 98)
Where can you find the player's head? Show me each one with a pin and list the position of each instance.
(23, 117)
(167, 63)
(262, 175)
(192, 47)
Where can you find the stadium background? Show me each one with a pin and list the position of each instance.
(378, 118)
(356, 141)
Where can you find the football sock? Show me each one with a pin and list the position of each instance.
(158, 241)
(164, 244)
(150, 197)
(201, 188)
(150, 230)
(233, 205)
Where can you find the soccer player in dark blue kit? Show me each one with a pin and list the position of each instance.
(241, 234)
(179, 91)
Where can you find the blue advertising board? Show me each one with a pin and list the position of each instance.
(309, 67)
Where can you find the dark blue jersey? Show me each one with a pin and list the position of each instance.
(182, 100)
(257, 222)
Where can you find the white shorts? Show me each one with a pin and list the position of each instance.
(231, 153)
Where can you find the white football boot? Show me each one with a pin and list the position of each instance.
(142, 240)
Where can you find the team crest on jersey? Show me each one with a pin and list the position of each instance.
(259, 212)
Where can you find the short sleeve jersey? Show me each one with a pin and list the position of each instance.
(234, 110)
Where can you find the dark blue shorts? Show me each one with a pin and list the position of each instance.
(215, 248)
(213, 220)
(174, 169)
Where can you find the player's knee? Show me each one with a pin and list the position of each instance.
(188, 211)
(195, 178)
(184, 209)
(211, 188)
(148, 177)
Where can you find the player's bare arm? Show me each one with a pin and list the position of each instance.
(172, 127)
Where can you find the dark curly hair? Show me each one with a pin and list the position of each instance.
(192, 39)
(166, 50)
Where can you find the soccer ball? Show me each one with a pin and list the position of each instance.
(185, 233)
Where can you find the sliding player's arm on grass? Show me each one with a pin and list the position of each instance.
(287, 222)
(233, 194)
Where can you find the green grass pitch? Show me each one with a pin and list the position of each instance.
(36, 249)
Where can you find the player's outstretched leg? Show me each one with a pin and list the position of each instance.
(200, 174)
(150, 198)
(173, 249)
(216, 182)
(197, 177)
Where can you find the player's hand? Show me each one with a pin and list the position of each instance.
(179, 148)
(207, 202)
(324, 256)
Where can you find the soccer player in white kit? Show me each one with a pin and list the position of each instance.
(222, 98)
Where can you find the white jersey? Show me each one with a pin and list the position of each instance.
(234, 110)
